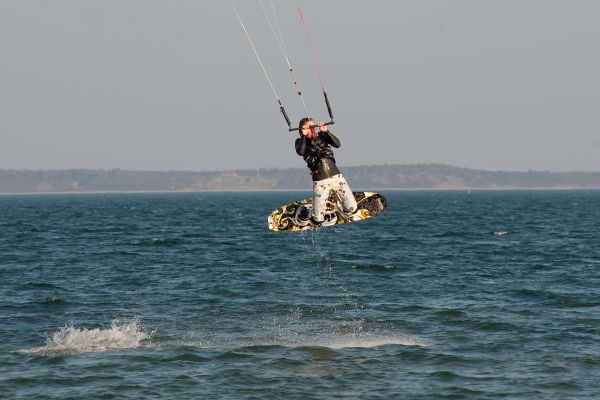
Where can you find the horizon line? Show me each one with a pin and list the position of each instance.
(284, 168)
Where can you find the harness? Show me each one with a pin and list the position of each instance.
(321, 151)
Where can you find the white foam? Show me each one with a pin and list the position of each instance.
(347, 341)
(372, 341)
(72, 340)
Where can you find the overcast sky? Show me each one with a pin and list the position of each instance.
(174, 85)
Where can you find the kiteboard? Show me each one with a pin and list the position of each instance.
(286, 217)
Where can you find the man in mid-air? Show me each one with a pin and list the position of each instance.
(315, 148)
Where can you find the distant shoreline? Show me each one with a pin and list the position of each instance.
(309, 191)
(370, 177)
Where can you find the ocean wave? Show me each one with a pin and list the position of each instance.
(152, 241)
(351, 341)
(302, 342)
(376, 267)
(373, 341)
(451, 313)
(121, 335)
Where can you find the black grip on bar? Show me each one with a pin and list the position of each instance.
(328, 106)
(287, 119)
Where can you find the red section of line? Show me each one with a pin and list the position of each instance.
(310, 46)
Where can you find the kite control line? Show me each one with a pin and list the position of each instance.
(279, 38)
(315, 61)
(281, 43)
(281, 107)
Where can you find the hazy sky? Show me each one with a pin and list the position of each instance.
(155, 85)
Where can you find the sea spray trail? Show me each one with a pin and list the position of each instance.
(190, 296)
(71, 340)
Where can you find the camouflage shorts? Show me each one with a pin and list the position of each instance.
(323, 188)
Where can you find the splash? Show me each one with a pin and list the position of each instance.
(72, 340)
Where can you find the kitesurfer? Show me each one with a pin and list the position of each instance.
(315, 148)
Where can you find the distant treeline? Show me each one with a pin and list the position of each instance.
(416, 176)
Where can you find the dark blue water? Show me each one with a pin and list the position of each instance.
(488, 295)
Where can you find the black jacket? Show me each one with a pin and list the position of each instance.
(318, 155)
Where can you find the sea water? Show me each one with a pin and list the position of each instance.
(447, 294)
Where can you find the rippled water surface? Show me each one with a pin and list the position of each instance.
(487, 295)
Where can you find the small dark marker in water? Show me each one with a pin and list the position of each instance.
(52, 300)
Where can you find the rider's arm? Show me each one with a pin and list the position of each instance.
(331, 139)
(301, 145)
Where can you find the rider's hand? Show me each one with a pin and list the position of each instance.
(322, 127)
